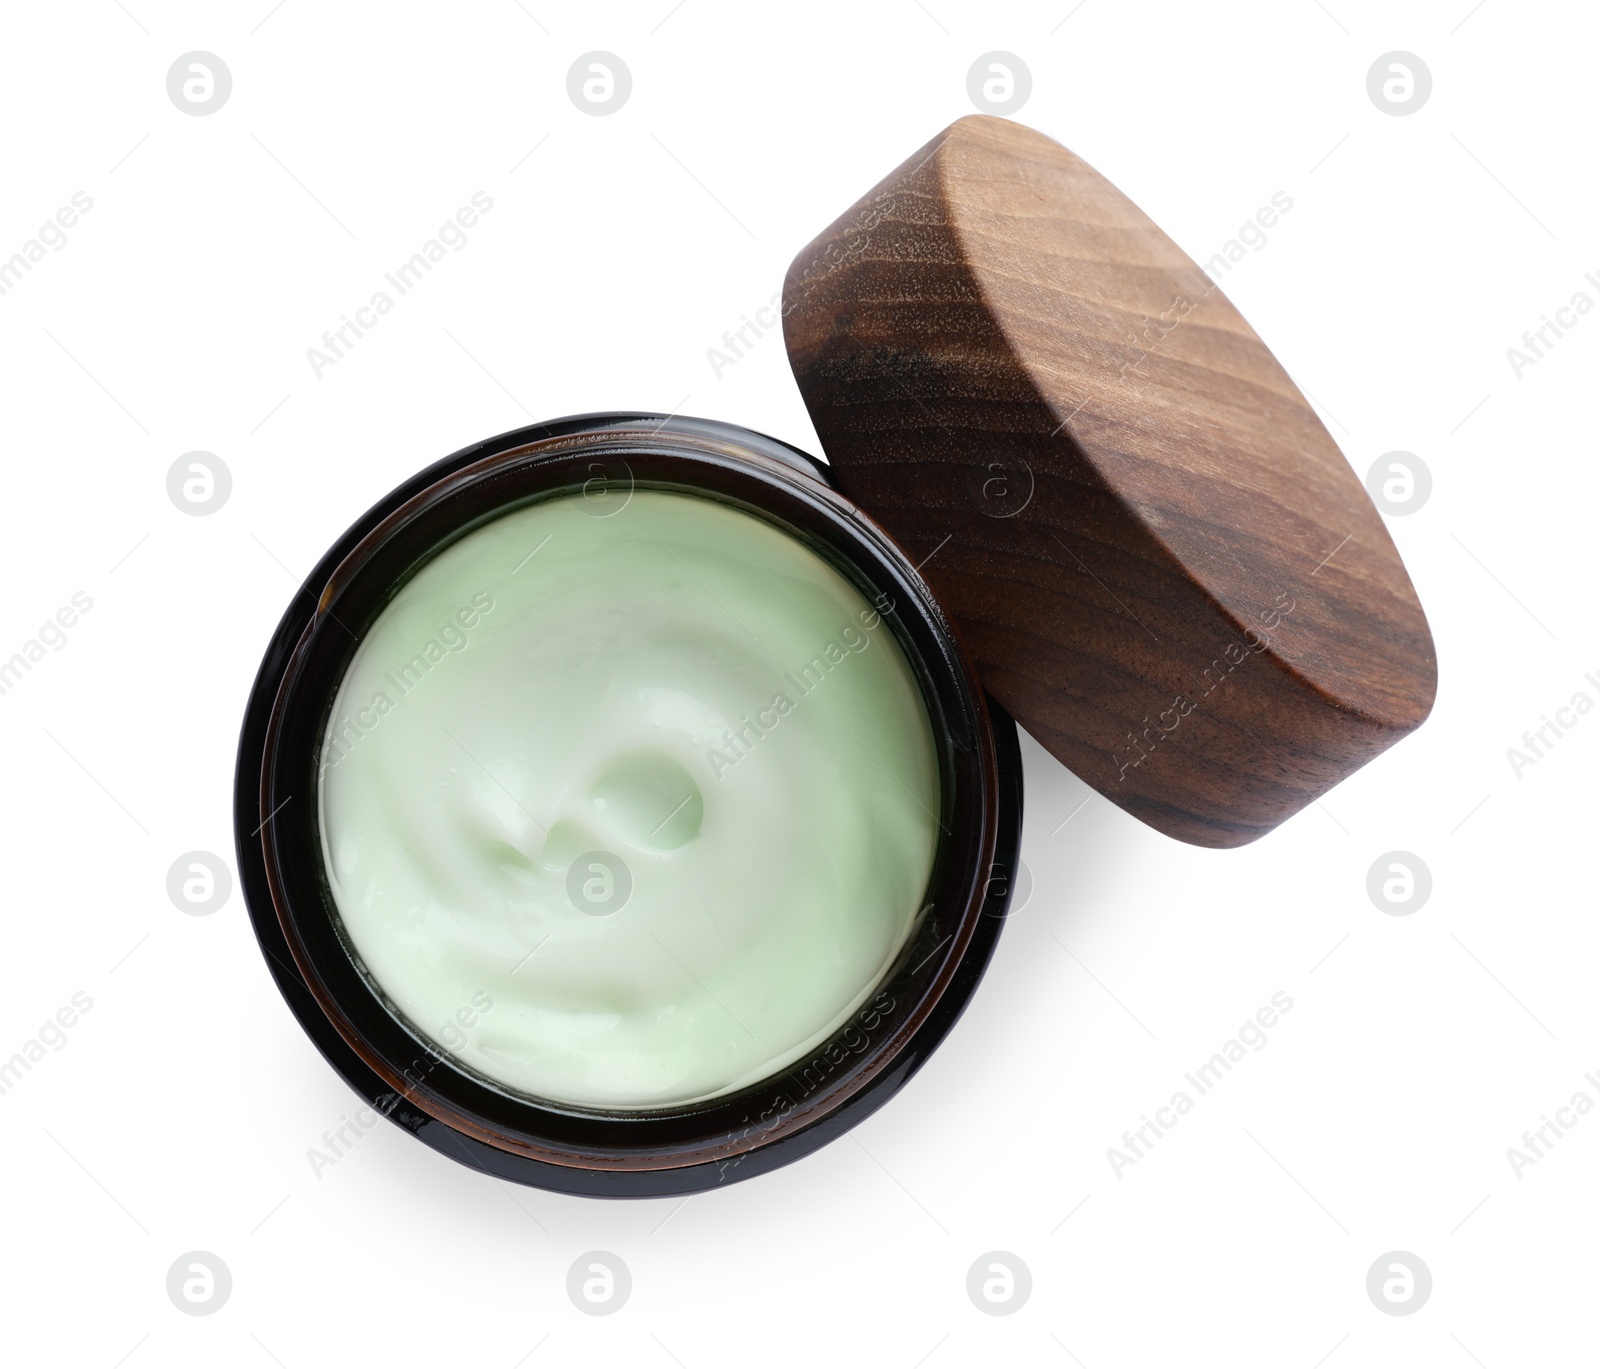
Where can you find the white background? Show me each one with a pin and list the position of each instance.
(177, 317)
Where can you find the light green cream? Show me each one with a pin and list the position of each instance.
(628, 807)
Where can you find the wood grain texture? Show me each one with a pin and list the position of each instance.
(1164, 566)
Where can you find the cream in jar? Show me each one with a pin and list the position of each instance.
(628, 807)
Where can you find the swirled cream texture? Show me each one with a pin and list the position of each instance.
(628, 803)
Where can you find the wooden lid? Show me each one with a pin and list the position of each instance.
(1162, 563)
